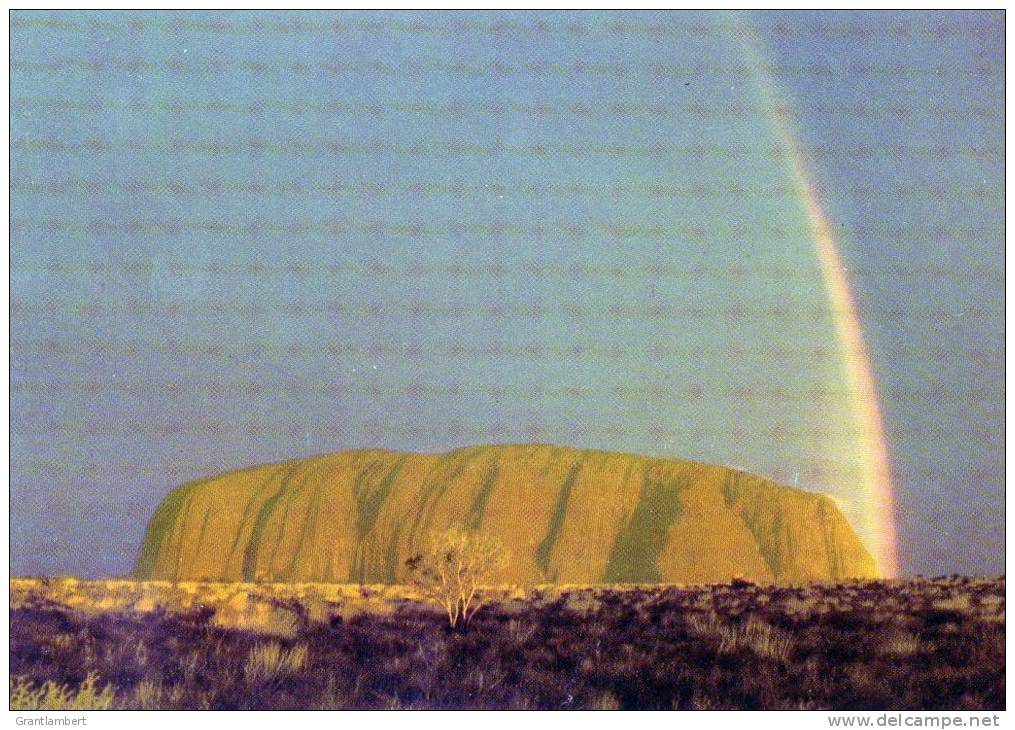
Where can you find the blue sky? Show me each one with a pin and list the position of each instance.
(239, 238)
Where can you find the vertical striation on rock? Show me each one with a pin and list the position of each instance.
(567, 515)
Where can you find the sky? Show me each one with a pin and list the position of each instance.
(238, 238)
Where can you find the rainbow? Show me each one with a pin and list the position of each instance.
(863, 395)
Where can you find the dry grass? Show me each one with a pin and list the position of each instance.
(519, 632)
(912, 644)
(321, 601)
(757, 636)
(901, 643)
(153, 695)
(268, 662)
(52, 696)
(705, 624)
(259, 616)
(148, 695)
(606, 701)
(754, 635)
(239, 605)
(961, 603)
(263, 620)
(62, 641)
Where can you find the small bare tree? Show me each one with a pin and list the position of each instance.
(456, 568)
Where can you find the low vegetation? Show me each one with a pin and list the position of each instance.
(912, 644)
(269, 662)
(52, 696)
(454, 572)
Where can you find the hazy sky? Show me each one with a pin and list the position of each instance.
(239, 238)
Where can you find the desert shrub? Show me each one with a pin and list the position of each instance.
(267, 662)
(606, 701)
(899, 643)
(151, 695)
(148, 695)
(141, 653)
(960, 603)
(648, 649)
(260, 616)
(61, 642)
(318, 610)
(52, 696)
(455, 570)
(757, 636)
(519, 632)
(705, 624)
(739, 581)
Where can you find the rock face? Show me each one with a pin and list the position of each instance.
(568, 516)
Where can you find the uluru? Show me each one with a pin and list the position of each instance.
(567, 516)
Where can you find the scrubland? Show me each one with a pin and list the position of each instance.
(906, 644)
